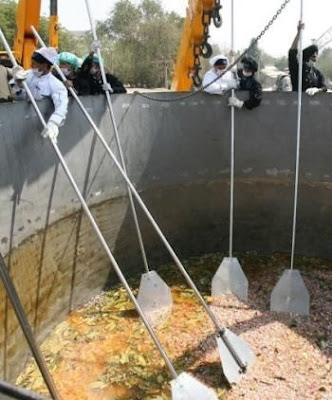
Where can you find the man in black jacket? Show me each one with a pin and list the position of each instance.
(249, 83)
(91, 70)
(312, 78)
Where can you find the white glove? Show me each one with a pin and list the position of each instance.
(19, 73)
(234, 84)
(107, 87)
(312, 91)
(235, 102)
(95, 45)
(51, 131)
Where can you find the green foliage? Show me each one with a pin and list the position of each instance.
(67, 41)
(142, 40)
(124, 21)
(43, 29)
(7, 19)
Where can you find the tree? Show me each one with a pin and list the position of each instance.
(254, 52)
(124, 21)
(142, 39)
(281, 63)
(67, 41)
(266, 59)
(7, 19)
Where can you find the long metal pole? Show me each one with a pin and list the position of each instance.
(117, 137)
(26, 328)
(148, 214)
(93, 222)
(16, 392)
(298, 138)
(231, 208)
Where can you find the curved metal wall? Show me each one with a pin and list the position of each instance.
(178, 158)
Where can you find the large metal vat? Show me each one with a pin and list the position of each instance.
(178, 157)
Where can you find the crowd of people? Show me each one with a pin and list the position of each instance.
(43, 81)
(86, 79)
(244, 78)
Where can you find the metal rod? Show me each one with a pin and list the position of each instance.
(298, 139)
(131, 200)
(117, 138)
(16, 392)
(231, 208)
(12, 294)
(114, 262)
(95, 226)
(26, 328)
(139, 200)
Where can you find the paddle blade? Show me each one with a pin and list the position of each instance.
(186, 387)
(290, 294)
(235, 354)
(230, 278)
(155, 297)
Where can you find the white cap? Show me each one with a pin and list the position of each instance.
(214, 59)
(49, 53)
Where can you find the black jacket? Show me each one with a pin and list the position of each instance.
(97, 88)
(254, 87)
(96, 83)
(311, 76)
(80, 83)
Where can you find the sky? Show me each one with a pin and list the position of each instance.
(249, 19)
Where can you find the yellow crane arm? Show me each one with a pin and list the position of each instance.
(194, 42)
(27, 14)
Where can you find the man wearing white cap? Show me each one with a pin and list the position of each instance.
(44, 84)
(214, 85)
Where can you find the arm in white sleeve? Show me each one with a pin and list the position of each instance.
(60, 100)
(215, 87)
(221, 85)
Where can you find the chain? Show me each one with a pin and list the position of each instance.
(194, 93)
(198, 49)
(276, 15)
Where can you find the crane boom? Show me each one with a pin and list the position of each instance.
(27, 14)
(324, 39)
(194, 42)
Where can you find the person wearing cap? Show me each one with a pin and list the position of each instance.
(213, 82)
(312, 79)
(248, 83)
(90, 70)
(42, 83)
(69, 65)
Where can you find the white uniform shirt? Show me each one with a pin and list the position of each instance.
(221, 85)
(49, 86)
